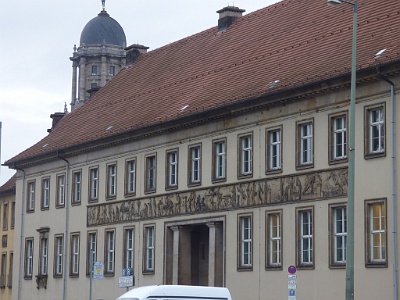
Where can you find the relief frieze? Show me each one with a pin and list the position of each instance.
(286, 189)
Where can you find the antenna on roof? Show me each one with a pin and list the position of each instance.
(103, 2)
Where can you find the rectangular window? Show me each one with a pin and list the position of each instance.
(274, 149)
(246, 155)
(111, 71)
(10, 270)
(111, 180)
(31, 197)
(94, 70)
(91, 255)
(375, 131)
(94, 184)
(110, 252)
(337, 137)
(219, 160)
(172, 169)
(3, 270)
(245, 242)
(28, 258)
(60, 191)
(5, 216)
(150, 174)
(129, 249)
(305, 231)
(274, 239)
(305, 144)
(76, 187)
(58, 255)
(149, 253)
(74, 257)
(338, 239)
(45, 193)
(130, 177)
(12, 215)
(376, 234)
(195, 165)
(43, 255)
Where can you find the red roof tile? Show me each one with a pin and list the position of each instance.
(294, 41)
(9, 186)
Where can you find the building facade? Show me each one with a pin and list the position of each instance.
(224, 167)
(7, 224)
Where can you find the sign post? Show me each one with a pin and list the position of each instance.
(292, 283)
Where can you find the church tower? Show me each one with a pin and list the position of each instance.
(98, 58)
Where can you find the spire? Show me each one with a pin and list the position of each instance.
(103, 2)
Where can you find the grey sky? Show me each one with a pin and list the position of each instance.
(37, 39)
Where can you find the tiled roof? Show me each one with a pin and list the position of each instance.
(297, 42)
(8, 187)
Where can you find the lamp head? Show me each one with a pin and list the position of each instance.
(333, 2)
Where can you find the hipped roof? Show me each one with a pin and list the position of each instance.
(292, 43)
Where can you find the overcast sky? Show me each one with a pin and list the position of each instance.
(37, 39)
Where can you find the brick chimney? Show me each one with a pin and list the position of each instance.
(133, 52)
(227, 15)
(56, 117)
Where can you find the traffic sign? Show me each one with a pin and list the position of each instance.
(125, 281)
(98, 270)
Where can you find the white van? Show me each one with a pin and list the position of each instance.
(176, 292)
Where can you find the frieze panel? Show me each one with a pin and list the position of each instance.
(294, 188)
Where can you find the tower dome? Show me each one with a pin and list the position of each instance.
(103, 29)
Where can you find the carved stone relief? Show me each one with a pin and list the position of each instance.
(293, 188)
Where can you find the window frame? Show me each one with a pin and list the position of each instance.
(171, 169)
(149, 248)
(58, 265)
(28, 257)
(300, 139)
(270, 240)
(60, 191)
(245, 242)
(45, 197)
(333, 131)
(5, 216)
(111, 70)
(89, 243)
(335, 235)
(150, 173)
(219, 160)
(242, 151)
(130, 177)
(74, 254)
(368, 152)
(300, 237)
(268, 149)
(12, 214)
(128, 249)
(30, 196)
(94, 184)
(76, 198)
(94, 70)
(194, 165)
(369, 261)
(111, 180)
(43, 255)
(109, 251)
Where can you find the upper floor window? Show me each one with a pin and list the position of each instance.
(58, 255)
(375, 131)
(30, 207)
(337, 137)
(172, 169)
(130, 176)
(94, 70)
(43, 255)
(245, 155)
(305, 144)
(5, 216)
(274, 149)
(60, 190)
(12, 215)
(149, 249)
(128, 262)
(111, 180)
(274, 239)
(76, 187)
(194, 164)
(219, 160)
(305, 237)
(45, 193)
(338, 230)
(110, 252)
(111, 71)
(28, 258)
(93, 184)
(245, 242)
(376, 232)
(150, 174)
(93, 85)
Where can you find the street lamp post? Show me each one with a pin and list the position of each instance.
(351, 170)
